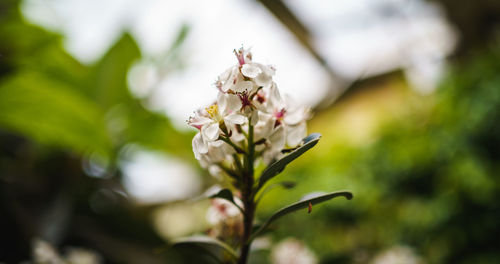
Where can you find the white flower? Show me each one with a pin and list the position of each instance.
(217, 151)
(292, 251)
(287, 114)
(44, 252)
(221, 209)
(233, 80)
(248, 97)
(246, 76)
(82, 256)
(397, 255)
(224, 112)
(265, 76)
(276, 143)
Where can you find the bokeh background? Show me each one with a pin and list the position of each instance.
(95, 156)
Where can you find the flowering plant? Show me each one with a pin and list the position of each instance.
(250, 125)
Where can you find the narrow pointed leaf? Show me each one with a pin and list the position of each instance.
(214, 246)
(227, 195)
(301, 205)
(278, 166)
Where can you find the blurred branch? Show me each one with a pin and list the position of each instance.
(286, 16)
(478, 22)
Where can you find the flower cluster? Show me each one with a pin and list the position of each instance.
(225, 219)
(248, 107)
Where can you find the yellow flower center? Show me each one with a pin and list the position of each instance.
(212, 110)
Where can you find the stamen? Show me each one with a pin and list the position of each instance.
(212, 110)
(245, 99)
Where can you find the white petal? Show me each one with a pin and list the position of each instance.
(215, 171)
(267, 69)
(221, 100)
(295, 134)
(242, 86)
(216, 154)
(235, 119)
(226, 74)
(237, 137)
(229, 77)
(271, 155)
(199, 145)
(210, 132)
(264, 117)
(199, 121)
(278, 138)
(233, 104)
(217, 143)
(227, 86)
(263, 80)
(294, 117)
(228, 103)
(274, 99)
(265, 126)
(250, 71)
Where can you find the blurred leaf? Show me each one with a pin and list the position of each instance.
(110, 73)
(39, 50)
(301, 205)
(227, 195)
(50, 112)
(172, 55)
(129, 120)
(217, 248)
(278, 166)
(259, 256)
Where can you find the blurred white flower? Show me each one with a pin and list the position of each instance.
(292, 251)
(82, 256)
(44, 252)
(397, 255)
(225, 219)
(220, 210)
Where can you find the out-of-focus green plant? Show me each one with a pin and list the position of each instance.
(438, 169)
(428, 181)
(57, 116)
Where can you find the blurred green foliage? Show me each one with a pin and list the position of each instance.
(429, 181)
(55, 115)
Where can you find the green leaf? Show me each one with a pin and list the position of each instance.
(110, 73)
(131, 121)
(278, 166)
(51, 112)
(214, 246)
(301, 205)
(227, 195)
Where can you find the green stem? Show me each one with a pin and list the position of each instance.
(248, 198)
(228, 141)
(238, 163)
(228, 171)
